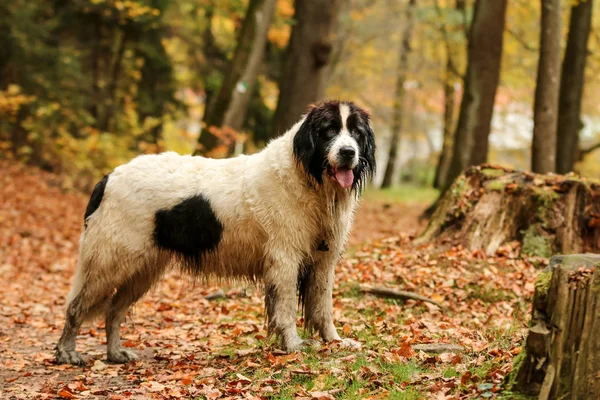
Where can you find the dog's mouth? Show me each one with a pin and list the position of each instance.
(344, 176)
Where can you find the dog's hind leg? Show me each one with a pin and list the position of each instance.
(88, 301)
(127, 294)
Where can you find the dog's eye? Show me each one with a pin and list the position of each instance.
(329, 133)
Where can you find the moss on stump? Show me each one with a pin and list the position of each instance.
(488, 206)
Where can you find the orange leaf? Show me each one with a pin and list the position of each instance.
(406, 350)
(347, 329)
(65, 394)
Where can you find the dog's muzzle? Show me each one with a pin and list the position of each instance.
(347, 157)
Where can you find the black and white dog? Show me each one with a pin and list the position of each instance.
(281, 216)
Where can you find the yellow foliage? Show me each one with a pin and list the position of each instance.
(285, 8)
(280, 36)
(356, 15)
(11, 101)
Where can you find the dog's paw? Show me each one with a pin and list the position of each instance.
(310, 344)
(69, 357)
(302, 345)
(121, 356)
(349, 344)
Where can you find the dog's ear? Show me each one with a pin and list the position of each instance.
(369, 148)
(366, 165)
(304, 142)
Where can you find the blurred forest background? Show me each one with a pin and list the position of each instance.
(87, 84)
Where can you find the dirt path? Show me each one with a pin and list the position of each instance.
(376, 220)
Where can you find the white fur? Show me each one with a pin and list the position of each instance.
(344, 139)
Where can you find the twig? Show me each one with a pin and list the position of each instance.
(438, 348)
(397, 294)
(219, 294)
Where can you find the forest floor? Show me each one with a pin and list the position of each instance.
(190, 347)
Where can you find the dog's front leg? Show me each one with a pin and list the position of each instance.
(318, 297)
(281, 280)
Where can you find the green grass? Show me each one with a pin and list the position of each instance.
(408, 394)
(487, 294)
(403, 194)
(403, 372)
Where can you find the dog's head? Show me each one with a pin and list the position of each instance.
(336, 142)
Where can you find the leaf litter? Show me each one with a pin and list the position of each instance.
(192, 347)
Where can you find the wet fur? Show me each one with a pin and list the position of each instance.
(275, 217)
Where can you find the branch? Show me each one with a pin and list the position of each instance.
(585, 152)
(397, 294)
(461, 5)
(444, 31)
(517, 37)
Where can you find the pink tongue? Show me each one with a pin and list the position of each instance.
(345, 177)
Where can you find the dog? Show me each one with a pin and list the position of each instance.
(280, 217)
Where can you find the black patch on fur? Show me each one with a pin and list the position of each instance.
(270, 302)
(323, 246)
(95, 198)
(322, 124)
(190, 229)
(304, 277)
(359, 126)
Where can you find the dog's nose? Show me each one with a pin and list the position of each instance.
(347, 152)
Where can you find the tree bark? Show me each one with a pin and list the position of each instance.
(111, 95)
(443, 165)
(481, 81)
(545, 109)
(450, 77)
(489, 206)
(309, 52)
(238, 105)
(96, 55)
(571, 86)
(402, 69)
(241, 73)
(560, 357)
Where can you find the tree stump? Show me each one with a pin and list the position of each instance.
(488, 206)
(561, 355)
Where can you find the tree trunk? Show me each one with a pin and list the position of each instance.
(443, 165)
(309, 51)
(571, 86)
(390, 173)
(111, 95)
(560, 357)
(230, 104)
(481, 80)
(240, 97)
(545, 109)
(450, 77)
(489, 206)
(96, 55)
